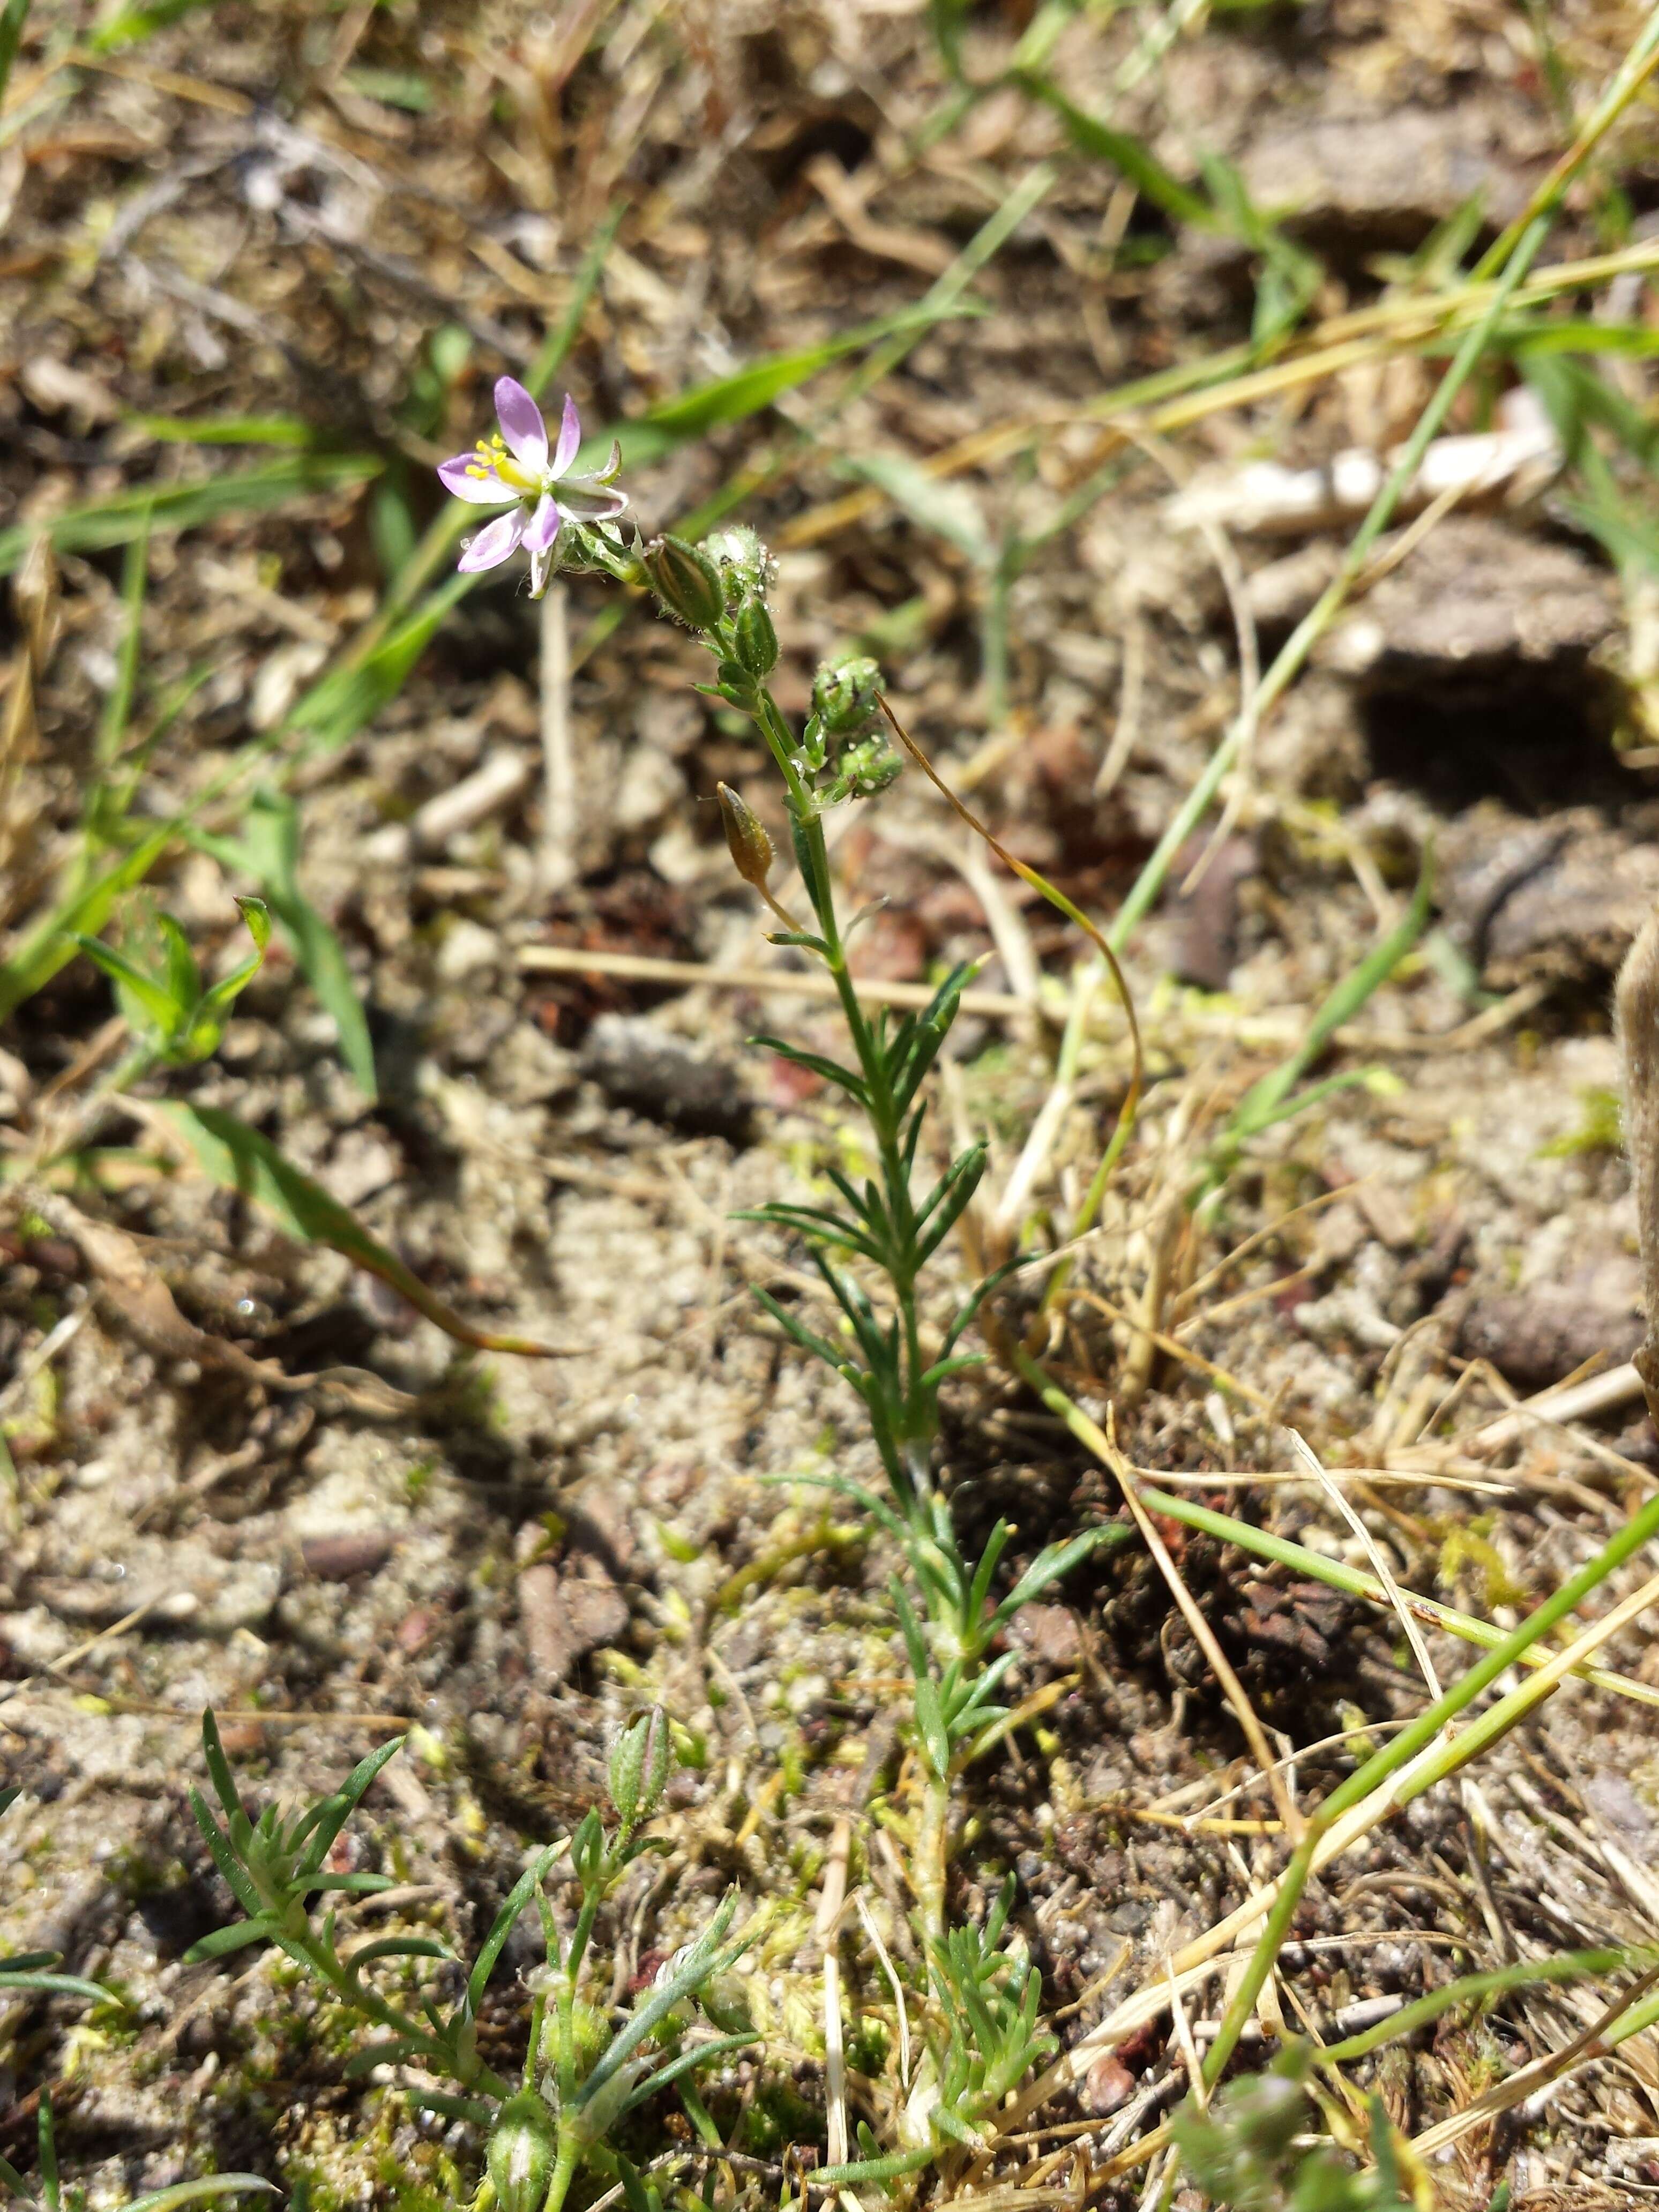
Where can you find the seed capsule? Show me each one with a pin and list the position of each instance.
(745, 838)
(756, 639)
(522, 2147)
(686, 581)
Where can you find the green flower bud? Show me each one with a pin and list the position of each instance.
(639, 1764)
(755, 640)
(844, 693)
(862, 770)
(747, 841)
(686, 581)
(523, 2146)
(743, 563)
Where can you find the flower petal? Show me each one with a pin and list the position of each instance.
(543, 527)
(570, 437)
(494, 543)
(461, 478)
(521, 425)
(584, 501)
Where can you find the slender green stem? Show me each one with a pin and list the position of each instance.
(933, 1843)
(565, 2163)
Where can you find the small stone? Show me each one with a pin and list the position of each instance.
(639, 1064)
(565, 1617)
(353, 1552)
(467, 949)
(1048, 1632)
(649, 789)
(1107, 2087)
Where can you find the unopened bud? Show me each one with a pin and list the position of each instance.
(639, 1764)
(844, 693)
(745, 838)
(863, 770)
(522, 2149)
(743, 563)
(755, 640)
(686, 581)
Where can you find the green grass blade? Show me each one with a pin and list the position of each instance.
(131, 514)
(231, 430)
(192, 2192)
(350, 697)
(270, 851)
(1572, 1966)
(118, 711)
(1357, 1583)
(128, 27)
(12, 19)
(1135, 163)
(949, 510)
(732, 398)
(1265, 1101)
(242, 1160)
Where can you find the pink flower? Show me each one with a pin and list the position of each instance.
(515, 464)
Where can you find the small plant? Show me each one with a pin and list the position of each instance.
(175, 1017)
(581, 2075)
(844, 751)
(1251, 2150)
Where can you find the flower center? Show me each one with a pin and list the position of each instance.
(495, 461)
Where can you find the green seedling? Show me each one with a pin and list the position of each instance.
(582, 2073)
(176, 1017)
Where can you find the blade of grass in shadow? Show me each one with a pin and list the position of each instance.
(241, 1159)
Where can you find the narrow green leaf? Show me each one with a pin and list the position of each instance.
(154, 1004)
(224, 1857)
(193, 2192)
(950, 511)
(747, 390)
(119, 520)
(392, 2052)
(218, 1767)
(45, 2131)
(127, 26)
(517, 1898)
(808, 1338)
(333, 1814)
(13, 16)
(243, 1160)
(345, 700)
(223, 1940)
(118, 710)
(1134, 161)
(400, 1947)
(14, 2183)
(815, 1062)
(472, 2109)
(230, 430)
(700, 2054)
(56, 1986)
